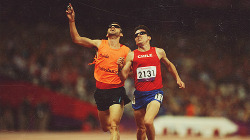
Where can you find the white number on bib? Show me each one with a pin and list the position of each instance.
(159, 97)
(146, 73)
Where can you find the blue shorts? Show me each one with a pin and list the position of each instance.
(143, 98)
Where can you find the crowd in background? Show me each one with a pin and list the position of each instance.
(215, 68)
(26, 117)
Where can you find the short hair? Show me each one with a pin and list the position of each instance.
(144, 28)
(117, 24)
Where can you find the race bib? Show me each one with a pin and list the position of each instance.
(145, 74)
(159, 97)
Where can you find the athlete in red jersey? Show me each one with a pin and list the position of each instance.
(145, 62)
(147, 70)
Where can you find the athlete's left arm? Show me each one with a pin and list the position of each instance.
(170, 66)
(123, 72)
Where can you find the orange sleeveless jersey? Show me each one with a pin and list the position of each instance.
(106, 68)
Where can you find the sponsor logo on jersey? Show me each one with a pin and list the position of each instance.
(145, 55)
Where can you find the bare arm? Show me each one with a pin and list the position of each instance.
(76, 38)
(125, 71)
(170, 66)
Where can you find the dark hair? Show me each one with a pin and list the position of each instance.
(117, 24)
(144, 28)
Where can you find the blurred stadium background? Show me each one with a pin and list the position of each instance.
(47, 85)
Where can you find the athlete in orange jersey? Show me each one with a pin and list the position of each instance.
(148, 96)
(110, 95)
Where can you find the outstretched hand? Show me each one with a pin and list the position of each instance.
(70, 13)
(180, 84)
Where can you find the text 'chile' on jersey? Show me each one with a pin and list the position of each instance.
(147, 70)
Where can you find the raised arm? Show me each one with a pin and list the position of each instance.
(76, 38)
(124, 71)
(170, 66)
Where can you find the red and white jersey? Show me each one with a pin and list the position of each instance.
(147, 70)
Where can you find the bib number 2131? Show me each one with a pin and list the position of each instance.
(146, 73)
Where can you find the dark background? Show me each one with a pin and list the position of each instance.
(207, 40)
(162, 16)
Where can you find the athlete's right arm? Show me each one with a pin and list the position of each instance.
(124, 73)
(76, 38)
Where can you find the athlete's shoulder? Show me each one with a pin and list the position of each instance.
(131, 53)
(103, 43)
(135, 51)
(130, 56)
(159, 50)
(125, 47)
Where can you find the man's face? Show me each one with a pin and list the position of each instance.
(141, 37)
(114, 29)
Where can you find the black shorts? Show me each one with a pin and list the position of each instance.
(104, 98)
